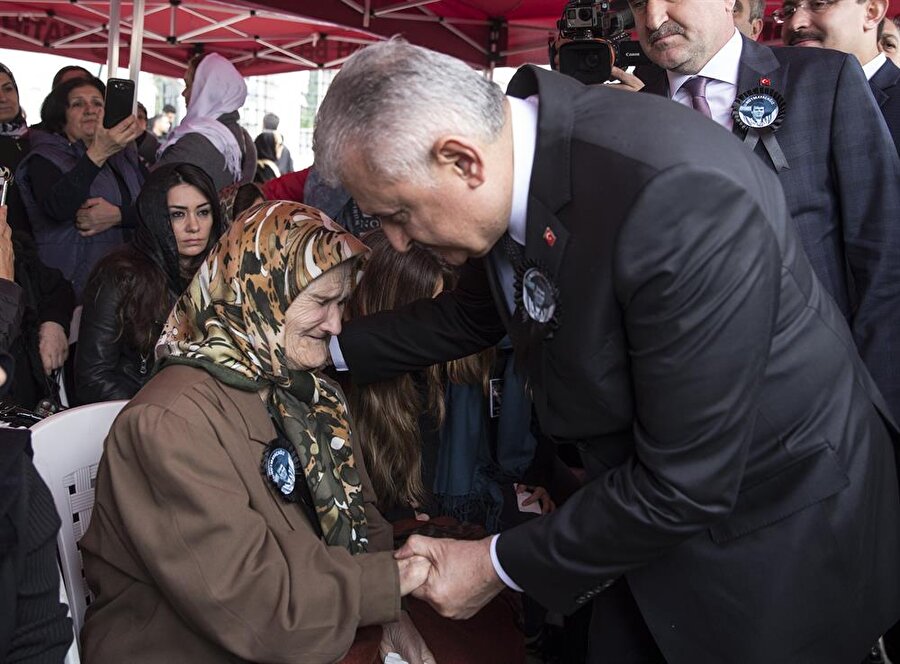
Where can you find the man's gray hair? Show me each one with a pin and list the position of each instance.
(391, 101)
(756, 9)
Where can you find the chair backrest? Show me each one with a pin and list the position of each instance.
(67, 450)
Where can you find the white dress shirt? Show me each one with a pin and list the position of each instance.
(722, 70)
(874, 65)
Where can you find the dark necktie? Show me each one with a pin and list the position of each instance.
(696, 88)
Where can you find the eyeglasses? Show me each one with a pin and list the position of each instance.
(788, 10)
(81, 104)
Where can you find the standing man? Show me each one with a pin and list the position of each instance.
(828, 144)
(748, 17)
(680, 340)
(853, 27)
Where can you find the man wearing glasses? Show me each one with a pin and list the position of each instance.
(853, 27)
(831, 149)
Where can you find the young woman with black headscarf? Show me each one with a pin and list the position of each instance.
(131, 291)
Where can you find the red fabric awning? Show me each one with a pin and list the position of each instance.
(257, 41)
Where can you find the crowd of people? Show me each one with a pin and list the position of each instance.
(566, 373)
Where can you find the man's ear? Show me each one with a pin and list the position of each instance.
(756, 28)
(875, 11)
(463, 157)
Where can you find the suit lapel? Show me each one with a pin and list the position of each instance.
(888, 75)
(550, 188)
(758, 62)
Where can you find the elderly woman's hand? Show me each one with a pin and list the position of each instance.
(108, 142)
(53, 346)
(97, 215)
(403, 638)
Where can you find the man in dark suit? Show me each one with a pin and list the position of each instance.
(743, 502)
(850, 27)
(841, 176)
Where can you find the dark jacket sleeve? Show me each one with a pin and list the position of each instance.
(697, 278)
(41, 632)
(868, 182)
(453, 325)
(11, 309)
(64, 192)
(98, 371)
(54, 297)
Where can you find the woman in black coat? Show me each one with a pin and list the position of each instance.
(14, 145)
(131, 291)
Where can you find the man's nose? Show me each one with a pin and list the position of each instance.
(656, 12)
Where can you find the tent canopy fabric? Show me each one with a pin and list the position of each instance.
(258, 41)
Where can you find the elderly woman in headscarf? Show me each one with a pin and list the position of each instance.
(234, 518)
(209, 136)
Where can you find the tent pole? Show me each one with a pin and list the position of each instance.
(136, 49)
(112, 50)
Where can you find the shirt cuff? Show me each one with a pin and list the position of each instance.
(337, 357)
(495, 561)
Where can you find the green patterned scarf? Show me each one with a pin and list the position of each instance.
(230, 322)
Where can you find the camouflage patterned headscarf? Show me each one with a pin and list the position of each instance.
(230, 322)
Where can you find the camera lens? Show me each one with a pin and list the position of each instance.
(584, 14)
(592, 60)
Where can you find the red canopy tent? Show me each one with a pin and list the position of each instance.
(257, 41)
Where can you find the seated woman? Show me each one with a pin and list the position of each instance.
(79, 180)
(131, 291)
(209, 136)
(234, 517)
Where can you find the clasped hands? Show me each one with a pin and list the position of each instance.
(456, 577)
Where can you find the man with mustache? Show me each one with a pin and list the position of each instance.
(854, 27)
(842, 172)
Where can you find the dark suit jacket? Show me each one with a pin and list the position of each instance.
(743, 480)
(885, 86)
(842, 189)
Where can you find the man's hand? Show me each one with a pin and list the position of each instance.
(53, 346)
(413, 572)
(403, 638)
(7, 256)
(107, 142)
(539, 495)
(628, 82)
(96, 216)
(462, 578)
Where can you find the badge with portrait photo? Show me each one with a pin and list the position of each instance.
(759, 112)
(280, 466)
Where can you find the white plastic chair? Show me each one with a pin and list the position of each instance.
(67, 450)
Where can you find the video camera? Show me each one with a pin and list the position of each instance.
(598, 39)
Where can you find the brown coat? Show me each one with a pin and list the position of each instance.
(192, 556)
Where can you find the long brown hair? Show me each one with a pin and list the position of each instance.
(387, 414)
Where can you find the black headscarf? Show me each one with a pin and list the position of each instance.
(154, 236)
(16, 126)
(265, 146)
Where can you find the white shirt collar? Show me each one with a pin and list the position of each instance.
(723, 66)
(523, 116)
(874, 65)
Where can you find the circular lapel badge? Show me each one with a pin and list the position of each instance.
(280, 468)
(538, 295)
(759, 108)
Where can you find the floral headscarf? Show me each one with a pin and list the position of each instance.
(230, 322)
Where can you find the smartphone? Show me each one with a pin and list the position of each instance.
(4, 185)
(119, 101)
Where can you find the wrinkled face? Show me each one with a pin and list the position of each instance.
(84, 113)
(314, 317)
(9, 99)
(838, 25)
(890, 42)
(682, 35)
(191, 217)
(450, 215)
